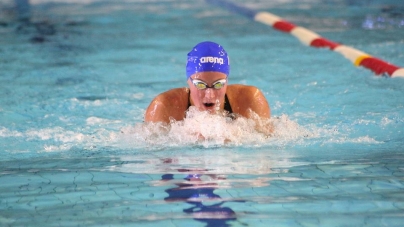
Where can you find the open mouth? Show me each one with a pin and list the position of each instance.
(209, 104)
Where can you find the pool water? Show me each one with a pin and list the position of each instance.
(77, 76)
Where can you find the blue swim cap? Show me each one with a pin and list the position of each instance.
(206, 57)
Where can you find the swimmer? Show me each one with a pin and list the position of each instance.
(207, 72)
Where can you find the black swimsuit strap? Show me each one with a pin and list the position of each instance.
(227, 105)
(189, 98)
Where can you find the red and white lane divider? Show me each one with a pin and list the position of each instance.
(310, 38)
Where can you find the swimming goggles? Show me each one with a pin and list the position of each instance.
(200, 85)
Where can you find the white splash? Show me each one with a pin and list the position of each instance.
(199, 128)
(210, 130)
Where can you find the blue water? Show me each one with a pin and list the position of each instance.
(76, 78)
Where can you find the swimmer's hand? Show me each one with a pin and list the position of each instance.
(201, 138)
(266, 128)
(262, 125)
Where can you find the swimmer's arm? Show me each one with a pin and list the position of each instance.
(260, 111)
(259, 104)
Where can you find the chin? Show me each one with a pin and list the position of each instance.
(210, 110)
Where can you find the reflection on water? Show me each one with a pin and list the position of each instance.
(95, 190)
(195, 192)
(201, 189)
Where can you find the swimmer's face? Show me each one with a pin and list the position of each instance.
(208, 99)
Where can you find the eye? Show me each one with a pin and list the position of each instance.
(218, 85)
(200, 85)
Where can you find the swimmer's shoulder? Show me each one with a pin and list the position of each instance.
(175, 96)
(169, 104)
(240, 91)
(176, 93)
(244, 98)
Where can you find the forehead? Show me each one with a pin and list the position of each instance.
(209, 76)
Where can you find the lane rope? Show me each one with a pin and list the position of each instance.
(310, 38)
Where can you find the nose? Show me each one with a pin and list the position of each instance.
(209, 94)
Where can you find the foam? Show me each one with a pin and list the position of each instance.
(359, 140)
(100, 121)
(212, 130)
(82, 1)
(198, 129)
